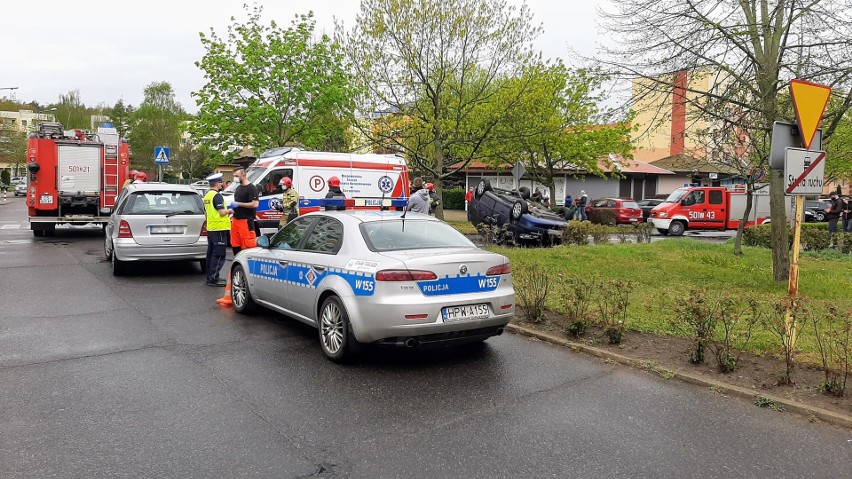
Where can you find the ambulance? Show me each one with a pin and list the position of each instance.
(369, 181)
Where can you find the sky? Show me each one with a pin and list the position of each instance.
(113, 49)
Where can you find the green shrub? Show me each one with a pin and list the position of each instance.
(576, 232)
(601, 216)
(453, 199)
(600, 233)
(814, 237)
(532, 283)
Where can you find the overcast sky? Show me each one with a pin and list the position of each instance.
(113, 49)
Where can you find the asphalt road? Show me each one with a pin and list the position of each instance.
(145, 376)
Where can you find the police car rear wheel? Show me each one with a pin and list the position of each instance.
(240, 294)
(334, 330)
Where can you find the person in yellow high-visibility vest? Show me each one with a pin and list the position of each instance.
(218, 229)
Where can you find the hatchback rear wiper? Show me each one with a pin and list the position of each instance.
(184, 212)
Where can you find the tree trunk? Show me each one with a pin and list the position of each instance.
(439, 169)
(738, 242)
(779, 234)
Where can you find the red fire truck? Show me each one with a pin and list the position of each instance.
(73, 176)
(710, 208)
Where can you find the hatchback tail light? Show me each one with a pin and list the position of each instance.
(404, 275)
(504, 268)
(204, 229)
(124, 230)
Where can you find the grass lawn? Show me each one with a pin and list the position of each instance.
(665, 270)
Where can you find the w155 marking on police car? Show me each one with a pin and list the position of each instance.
(364, 285)
(468, 311)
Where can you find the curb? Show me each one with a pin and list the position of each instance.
(827, 416)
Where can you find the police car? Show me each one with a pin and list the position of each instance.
(377, 277)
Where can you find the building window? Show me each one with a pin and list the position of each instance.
(24, 123)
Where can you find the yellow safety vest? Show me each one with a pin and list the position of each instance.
(215, 221)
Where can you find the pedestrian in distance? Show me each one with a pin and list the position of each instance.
(334, 192)
(847, 214)
(832, 215)
(418, 202)
(434, 201)
(289, 201)
(545, 196)
(468, 197)
(218, 229)
(581, 205)
(244, 207)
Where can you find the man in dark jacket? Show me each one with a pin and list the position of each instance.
(832, 214)
(847, 214)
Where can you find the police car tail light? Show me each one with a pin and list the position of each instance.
(204, 229)
(505, 268)
(124, 230)
(404, 275)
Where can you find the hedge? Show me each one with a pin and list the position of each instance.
(454, 199)
(602, 216)
(814, 237)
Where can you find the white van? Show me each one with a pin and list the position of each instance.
(369, 181)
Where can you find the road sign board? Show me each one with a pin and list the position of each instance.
(809, 100)
(161, 155)
(786, 135)
(518, 171)
(804, 171)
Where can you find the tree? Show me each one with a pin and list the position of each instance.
(120, 115)
(559, 124)
(751, 48)
(157, 122)
(838, 163)
(189, 161)
(269, 86)
(430, 73)
(13, 147)
(71, 112)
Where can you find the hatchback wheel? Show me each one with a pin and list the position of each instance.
(107, 249)
(240, 293)
(334, 330)
(119, 267)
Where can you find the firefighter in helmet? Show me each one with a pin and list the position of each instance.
(141, 177)
(131, 176)
(434, 201)
(289, 201)
(334, 192)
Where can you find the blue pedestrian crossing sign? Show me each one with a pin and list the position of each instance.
(161, 155)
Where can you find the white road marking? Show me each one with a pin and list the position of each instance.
(10, 227)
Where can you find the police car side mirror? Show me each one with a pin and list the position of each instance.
(263, 242)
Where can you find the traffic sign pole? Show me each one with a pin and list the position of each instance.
(793, 285)
(809, 102)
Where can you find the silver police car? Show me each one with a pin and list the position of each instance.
(377, 277)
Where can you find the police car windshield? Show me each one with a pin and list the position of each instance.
(253, 173)
(389, 235)
(676, 196)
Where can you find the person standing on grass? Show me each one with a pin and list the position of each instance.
(581, 205)
(832, 214)
(847, 214)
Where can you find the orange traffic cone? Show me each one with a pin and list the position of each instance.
(226, 299)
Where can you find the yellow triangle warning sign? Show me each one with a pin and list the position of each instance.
(809, 100)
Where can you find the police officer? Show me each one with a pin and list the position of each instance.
(289, 201)
(218, 229)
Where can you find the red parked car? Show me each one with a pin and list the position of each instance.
(626, 210)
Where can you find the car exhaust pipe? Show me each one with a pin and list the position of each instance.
(499, 331)
(410, 342)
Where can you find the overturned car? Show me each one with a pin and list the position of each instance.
(527, 222)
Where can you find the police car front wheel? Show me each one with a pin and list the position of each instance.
(240, 294)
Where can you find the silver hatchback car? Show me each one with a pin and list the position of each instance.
(376, 277)
(156, 222)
